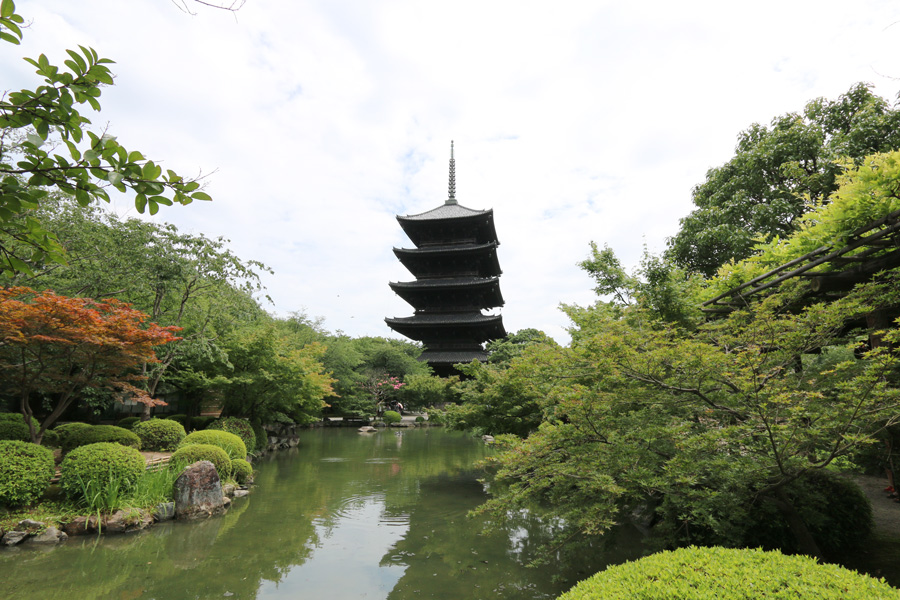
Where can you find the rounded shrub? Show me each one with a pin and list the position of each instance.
(729, 574)
(200, 423)
(392, 416)
(128, 422)
(50, 439)
(191, 453)
(230, 443)
(239, 427)
(161, 435)
(14, 430)
(17, 418)
(180, 418)
(420, 419)
(241, 470)
(25, 472)
(95, 434)
(262, 438)
(66, 430)
(100, 463)
(834, 508)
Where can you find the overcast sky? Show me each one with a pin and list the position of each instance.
(574, 121)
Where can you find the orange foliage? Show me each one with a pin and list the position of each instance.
(55, 346)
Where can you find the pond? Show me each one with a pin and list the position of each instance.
(343, 516)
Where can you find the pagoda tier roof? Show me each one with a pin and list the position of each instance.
(451, 260)
(452, 357)
(435, 329)
(450, 221)
(474, 292)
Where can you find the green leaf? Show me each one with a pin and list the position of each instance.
(7, 8)
(140, 202)
(114, 178)
(9, 38)
(151, 171)
(201, 196)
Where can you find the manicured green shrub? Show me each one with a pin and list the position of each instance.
(66, 430)
(392, 416)
(230, 443)
(728, 574)
(420, 419)
(17, 417)
(100, 464)
(161, 435)
(191, 453)
(100, 433)
(262, 438)
(200, 423)
(835, 509)
(180, 418)
(241, 470)
(128, 422)
(50, 439)
(239, 427)
(14, 430)
(25, 472)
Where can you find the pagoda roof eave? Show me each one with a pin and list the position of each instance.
(446, 211)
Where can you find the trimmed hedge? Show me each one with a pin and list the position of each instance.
(239, 427)
(94, 434)
(13, 427)
(392, 416)
(14, 430)
(262, 438)
(161, 435)
(25, 471)
(729, 574)
(66, 430)
(187, 455)
(230, 443)
(201, 423)
(241, 470)
(128, 422)
(102, 462)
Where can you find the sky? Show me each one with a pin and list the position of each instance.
(317, 122)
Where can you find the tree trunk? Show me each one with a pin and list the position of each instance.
(805, 542)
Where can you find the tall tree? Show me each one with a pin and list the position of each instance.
(55, 347)
(779, 172)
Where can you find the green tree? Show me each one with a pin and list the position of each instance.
(778, 173)
(190, 281)
(699, 427)
(274, 374)
(54, 148)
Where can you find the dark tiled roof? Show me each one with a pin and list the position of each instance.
(442, 250)
(447, 282)
(446, 211)
(465, 318)
(453, 357)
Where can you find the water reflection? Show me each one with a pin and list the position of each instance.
(343, 516)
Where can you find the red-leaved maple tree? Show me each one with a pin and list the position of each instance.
(53, 347)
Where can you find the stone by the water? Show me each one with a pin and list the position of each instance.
(198, 492)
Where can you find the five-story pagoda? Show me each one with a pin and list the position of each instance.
(457, 277)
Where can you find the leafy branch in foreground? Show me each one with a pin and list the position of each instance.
(58, 151)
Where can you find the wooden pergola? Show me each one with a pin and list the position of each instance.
(832, 270)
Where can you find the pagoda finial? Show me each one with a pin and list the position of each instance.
(452, 198)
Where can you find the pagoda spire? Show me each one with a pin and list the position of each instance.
(452, 197)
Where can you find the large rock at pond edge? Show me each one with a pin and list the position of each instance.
(198, 492)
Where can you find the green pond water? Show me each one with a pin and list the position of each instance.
(343, 516)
